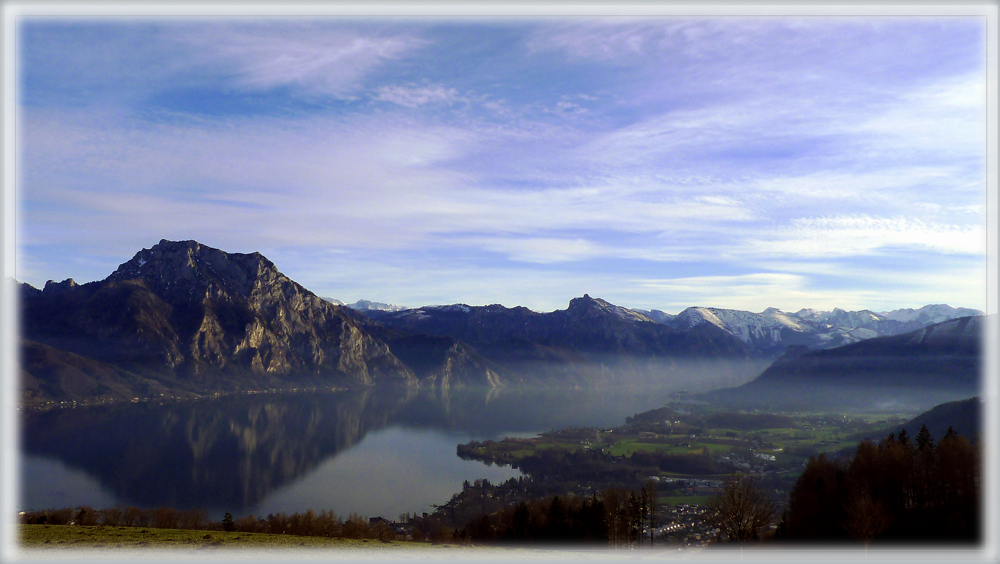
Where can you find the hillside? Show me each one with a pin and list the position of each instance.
(937, 363)
(963, 416)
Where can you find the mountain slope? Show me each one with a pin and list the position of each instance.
(937, 363)
(942, 355)
(52, 375)
(963, 416)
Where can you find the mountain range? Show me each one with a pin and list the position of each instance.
(367, 305)
(934, 364)
(185, 319)
(770, 332)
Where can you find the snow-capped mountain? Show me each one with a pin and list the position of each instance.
(934, 313)
(772, 331)
(656, 315)
(768, 332)
(367, 305)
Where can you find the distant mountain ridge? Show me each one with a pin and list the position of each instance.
(772, 331)
(366, 305)
(591, 341)
(940, 362)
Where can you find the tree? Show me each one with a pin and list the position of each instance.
(227, 522)
(865, 517)
(903, 438)
(892, 492)
(741, 509)
(814, 504)
(924, 439)
(649, 494)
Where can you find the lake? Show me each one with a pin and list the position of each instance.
(372, 452)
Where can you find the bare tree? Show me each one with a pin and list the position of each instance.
(649, 495)
(741, 509)
(866, 517)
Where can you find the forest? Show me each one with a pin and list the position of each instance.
(898, 490)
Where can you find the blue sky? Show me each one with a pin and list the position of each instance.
(657, 162)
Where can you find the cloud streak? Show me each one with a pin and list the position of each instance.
(578, 152)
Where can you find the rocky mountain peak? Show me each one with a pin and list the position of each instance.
(189, 265)
(595, 307)
(588, 305)
(54, 287)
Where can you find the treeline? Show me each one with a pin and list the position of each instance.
(310, 523)
(692, 464)
(615, 517)
(563, 469)
(898, 490)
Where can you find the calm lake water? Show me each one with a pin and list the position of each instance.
(374, 452)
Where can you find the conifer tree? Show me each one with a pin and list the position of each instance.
(924, 439)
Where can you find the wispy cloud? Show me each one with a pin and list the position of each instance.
(312, 58)
(307, 58)
(842, 236)
(413, 96)
(554, 155)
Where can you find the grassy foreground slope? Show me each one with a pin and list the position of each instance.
(34, 537)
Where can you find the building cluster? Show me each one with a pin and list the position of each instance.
(683, 526)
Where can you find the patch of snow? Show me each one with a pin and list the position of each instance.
(451, 307)
(366, 305)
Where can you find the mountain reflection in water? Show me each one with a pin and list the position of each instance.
(376, 452)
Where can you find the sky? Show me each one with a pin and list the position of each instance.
(655, 162)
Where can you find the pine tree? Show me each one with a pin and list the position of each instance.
(924, 439)
(903, 439)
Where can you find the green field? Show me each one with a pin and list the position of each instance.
(627, 446)
(45, 537)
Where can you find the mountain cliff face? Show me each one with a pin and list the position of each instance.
(195, 313)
